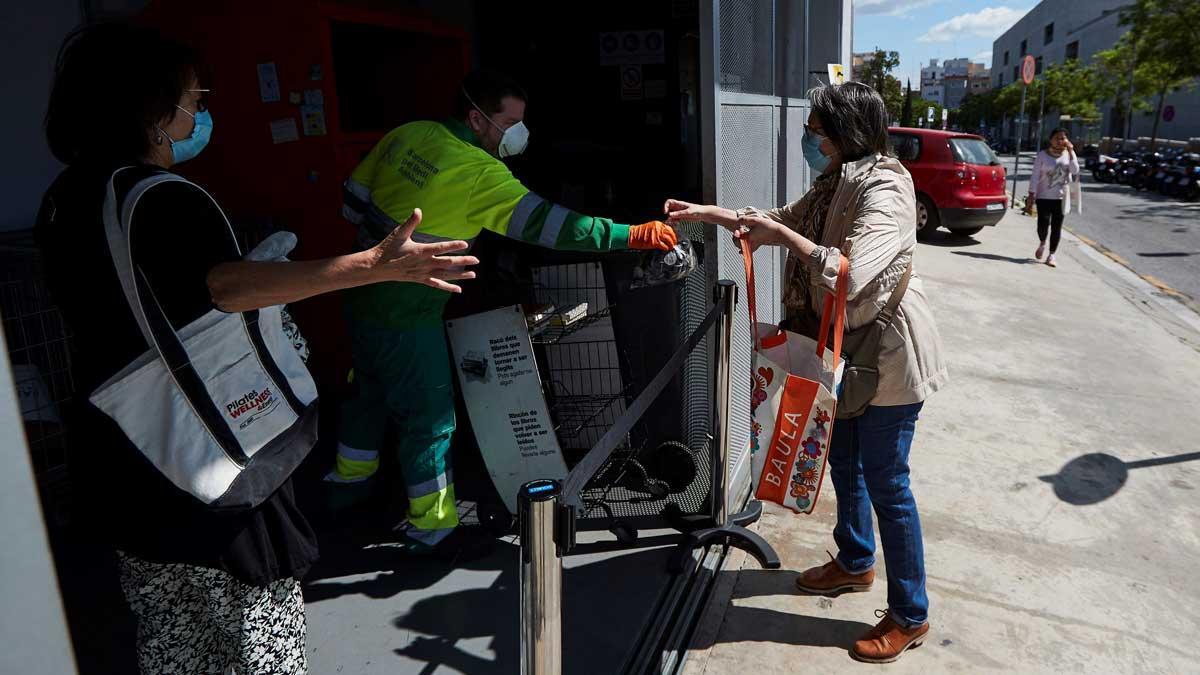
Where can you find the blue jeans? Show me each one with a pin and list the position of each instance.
(868, 463)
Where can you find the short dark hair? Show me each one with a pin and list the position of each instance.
(113, 83)
(487, 89)
(1056, 131)
(854, 118)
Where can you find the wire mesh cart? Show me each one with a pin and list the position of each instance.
(577, 312)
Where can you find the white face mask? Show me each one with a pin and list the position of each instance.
(514, 139)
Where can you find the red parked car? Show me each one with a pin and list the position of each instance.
(959, 180)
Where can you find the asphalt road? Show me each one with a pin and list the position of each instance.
(1156, 236)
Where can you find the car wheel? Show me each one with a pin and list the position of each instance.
(967, 231)
(928, 218)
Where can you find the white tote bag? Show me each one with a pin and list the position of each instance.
(794, 400)
(224, 407)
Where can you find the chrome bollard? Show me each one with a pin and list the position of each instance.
(541, 579)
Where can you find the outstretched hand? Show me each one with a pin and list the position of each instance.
(399, 258)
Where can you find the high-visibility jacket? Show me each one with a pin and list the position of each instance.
(461, 190)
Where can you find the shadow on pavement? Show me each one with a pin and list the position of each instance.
(605, 604)
(998, 258)
(1092, 478)
(755, 624)
(948, 240)
(758, 624)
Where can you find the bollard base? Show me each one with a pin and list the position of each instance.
(734, 534)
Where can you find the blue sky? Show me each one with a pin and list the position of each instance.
(933, 29)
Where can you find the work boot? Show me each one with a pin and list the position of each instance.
(831, 579)
(464, 544)
(888, 640)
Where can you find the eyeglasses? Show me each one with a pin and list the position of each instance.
(202, 100)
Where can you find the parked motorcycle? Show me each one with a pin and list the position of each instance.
(1090, 155)
(1154, 181)
(1180, 176)
(1145, 169)
(1106, 169)
(1126, 168)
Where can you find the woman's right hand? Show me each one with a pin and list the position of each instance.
(679, 211)
(399, 258)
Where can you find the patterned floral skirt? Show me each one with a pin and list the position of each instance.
(200, 621)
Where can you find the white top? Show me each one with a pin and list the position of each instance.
(1051, 174)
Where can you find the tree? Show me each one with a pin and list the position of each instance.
(921, 110)
(978, 109)
(893, 97)
(906, 114)
(1161, 53)
(878, 67)
(877, 74)
(1071, 89)
(1111, 71)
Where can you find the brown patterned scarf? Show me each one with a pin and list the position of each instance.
(797, 293)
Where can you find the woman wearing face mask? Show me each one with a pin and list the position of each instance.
(1053, 171)
(862, 205)
(210, 590)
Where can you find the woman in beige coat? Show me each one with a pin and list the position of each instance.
(862, 205)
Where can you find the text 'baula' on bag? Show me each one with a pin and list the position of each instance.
(794, 400)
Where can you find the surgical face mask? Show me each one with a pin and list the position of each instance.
(811, 145)
(513, 140)
(186, 148)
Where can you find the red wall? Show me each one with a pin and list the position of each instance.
(297, 184)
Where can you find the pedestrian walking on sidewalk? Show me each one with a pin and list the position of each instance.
(1054, 171)
(862, 205)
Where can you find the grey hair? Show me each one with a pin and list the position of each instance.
(854, 118)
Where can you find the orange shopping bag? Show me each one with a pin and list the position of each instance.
(794, 397)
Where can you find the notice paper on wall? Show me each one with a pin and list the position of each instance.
(501, 386)
(284, 131)
(268, 82)
(313, 117)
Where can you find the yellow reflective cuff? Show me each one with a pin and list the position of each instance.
(356, 469)
(436, 511)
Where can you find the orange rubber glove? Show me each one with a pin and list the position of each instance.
(654, 234)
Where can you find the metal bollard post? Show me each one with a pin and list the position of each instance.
(541, 579)
(726, 296)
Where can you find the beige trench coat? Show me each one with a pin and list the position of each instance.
(872, 218)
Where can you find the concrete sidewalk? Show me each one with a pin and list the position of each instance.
(1057, 478)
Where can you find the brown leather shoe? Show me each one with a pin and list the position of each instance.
(830, 579)
(888, 640)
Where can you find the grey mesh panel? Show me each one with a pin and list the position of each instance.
(748, 148)
(695, 298)
(797, 169)
(747, 46)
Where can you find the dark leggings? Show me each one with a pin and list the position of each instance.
(1050, 218)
